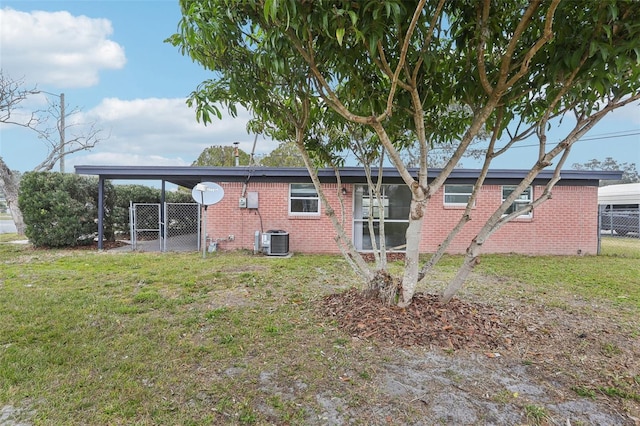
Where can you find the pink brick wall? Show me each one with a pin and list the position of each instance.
(309, 234)
(565, 224)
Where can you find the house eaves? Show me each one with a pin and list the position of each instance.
(190, 176)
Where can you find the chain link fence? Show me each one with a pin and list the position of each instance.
(181, 230)
(172, 227)
(620, 221)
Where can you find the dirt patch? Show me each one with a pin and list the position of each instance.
(13, 416)
(469, 363)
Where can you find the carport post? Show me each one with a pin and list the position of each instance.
(100, 210)
(163, 207)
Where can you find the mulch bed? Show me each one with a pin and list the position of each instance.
(426, 322)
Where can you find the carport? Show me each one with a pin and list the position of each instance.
(187, 177)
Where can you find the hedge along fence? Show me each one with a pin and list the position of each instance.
(62, 209)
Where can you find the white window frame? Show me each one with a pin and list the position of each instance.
(520, 199)
(315, 198)
(457, 204)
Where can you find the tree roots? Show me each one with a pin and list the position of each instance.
(385, 287)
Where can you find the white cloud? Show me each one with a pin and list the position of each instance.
(57, 48)
(160, 131)
(123, 159)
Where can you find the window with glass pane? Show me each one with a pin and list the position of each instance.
(525, 198)
(374, 206)
(395, 235)
(395, 200)
(457, 194)
(303, 199)
(394, 203)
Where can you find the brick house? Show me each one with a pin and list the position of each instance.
(263, 199)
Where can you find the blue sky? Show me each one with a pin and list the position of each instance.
(110, 60)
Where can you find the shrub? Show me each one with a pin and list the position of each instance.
(61, 209)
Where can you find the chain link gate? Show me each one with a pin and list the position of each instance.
(172, 228)
(181, 230)
(144, 219)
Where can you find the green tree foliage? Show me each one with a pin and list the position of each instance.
(221, 156)
(416, 74)
(629, 171)
(285, 155)
(61, 209)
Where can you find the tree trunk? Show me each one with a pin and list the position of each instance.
(9, 186)
(412, 254)
(470, 262)
(410, 277)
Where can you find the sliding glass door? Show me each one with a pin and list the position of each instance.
(392, 207)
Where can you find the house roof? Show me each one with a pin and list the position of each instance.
(190, 176)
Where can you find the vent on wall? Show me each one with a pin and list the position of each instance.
(275, 243)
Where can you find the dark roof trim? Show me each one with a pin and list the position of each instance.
(190, 176)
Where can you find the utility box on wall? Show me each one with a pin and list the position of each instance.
(252, 200)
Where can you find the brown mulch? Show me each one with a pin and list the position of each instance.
(426, 322)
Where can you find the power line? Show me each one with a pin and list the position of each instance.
(601, 136)
(615, 135)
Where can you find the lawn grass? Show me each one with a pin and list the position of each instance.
(10, 237)
(101, 338)
(140, 338)
(612, 277)
(620, 246)
(586, 281)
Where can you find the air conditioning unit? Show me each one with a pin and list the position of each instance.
(275, 243)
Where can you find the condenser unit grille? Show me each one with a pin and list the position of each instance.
(275, 243)
(279, 244)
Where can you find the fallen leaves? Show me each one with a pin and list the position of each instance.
(425, 322)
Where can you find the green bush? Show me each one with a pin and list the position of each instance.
(61, 209)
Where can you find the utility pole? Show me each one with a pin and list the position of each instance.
(61, 130)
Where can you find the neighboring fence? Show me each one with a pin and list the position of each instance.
(619, 221)
(175, 227)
